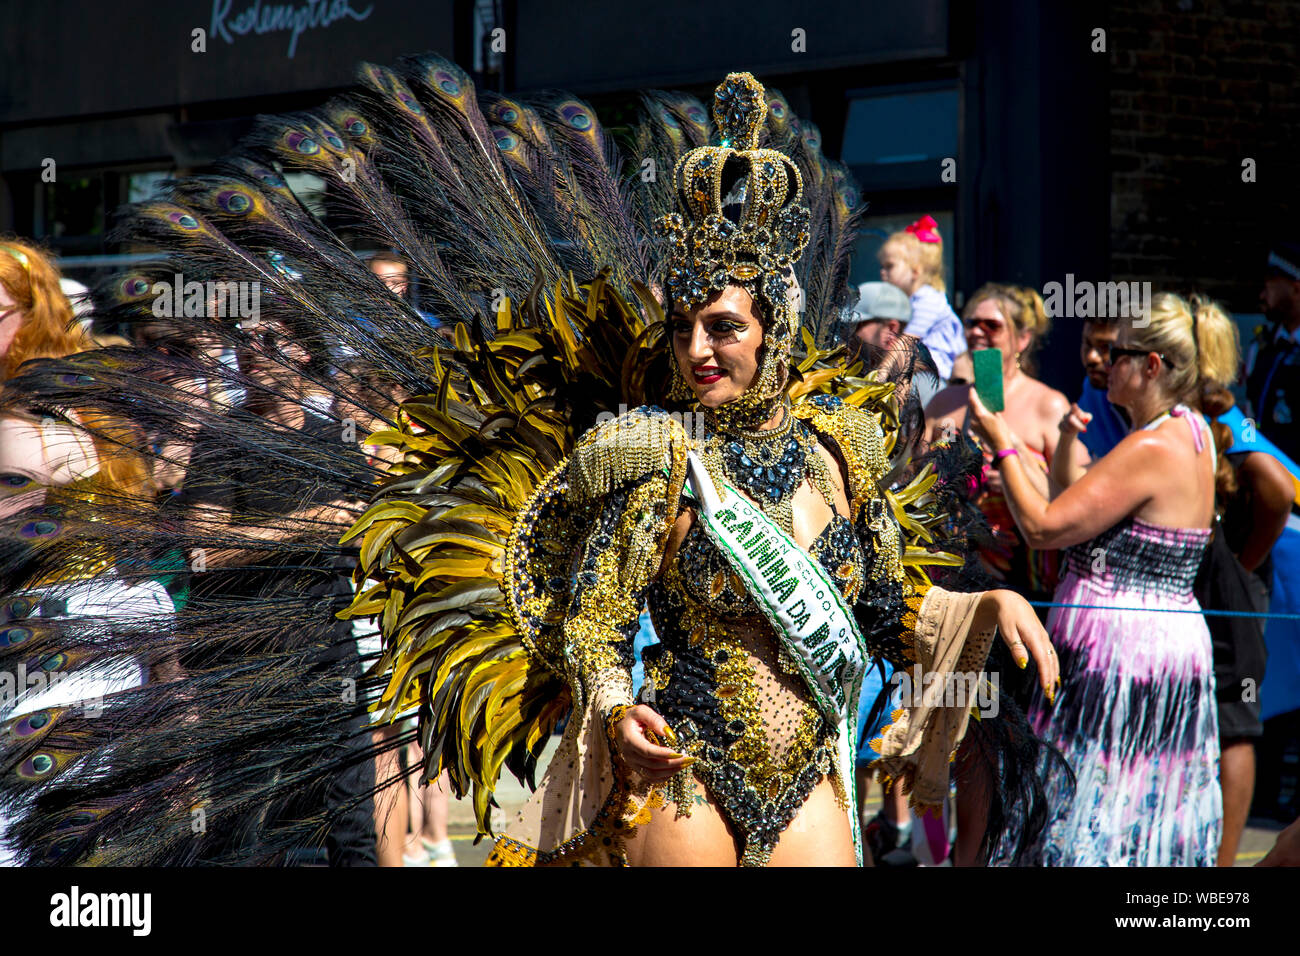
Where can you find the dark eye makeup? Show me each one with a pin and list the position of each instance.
(679, 325)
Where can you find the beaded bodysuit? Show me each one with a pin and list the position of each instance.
(735, 701)
(719, 676)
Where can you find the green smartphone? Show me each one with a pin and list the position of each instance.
(988, 378)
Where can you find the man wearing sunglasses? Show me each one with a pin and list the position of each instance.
(1105, 425)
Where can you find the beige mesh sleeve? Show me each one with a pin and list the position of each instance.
(918, 746)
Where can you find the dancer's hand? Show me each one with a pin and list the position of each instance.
(1023, 633)
(640, 752)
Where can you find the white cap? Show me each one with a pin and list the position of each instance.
(880, 300)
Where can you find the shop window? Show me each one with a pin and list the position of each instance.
(899, 138)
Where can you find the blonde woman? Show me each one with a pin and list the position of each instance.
(1135, 717)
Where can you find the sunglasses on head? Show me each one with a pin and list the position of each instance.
(1116, 352)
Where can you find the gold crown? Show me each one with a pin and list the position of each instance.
(744, 223)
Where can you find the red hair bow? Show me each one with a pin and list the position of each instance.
(924, 229)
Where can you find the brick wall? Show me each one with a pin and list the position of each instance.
(1196, 86)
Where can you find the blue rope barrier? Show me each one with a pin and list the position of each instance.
(1172, 610)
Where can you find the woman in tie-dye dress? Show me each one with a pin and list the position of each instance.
(1135, 715)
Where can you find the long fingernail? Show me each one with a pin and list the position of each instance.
(689, 761)
(1023, 664)
(668, 734)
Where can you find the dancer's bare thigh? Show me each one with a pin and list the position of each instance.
(818, 836)
(702, 839)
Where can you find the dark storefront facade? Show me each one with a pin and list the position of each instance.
(1040, 151)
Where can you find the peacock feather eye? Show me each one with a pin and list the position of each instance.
(575, 115)
(776, 107)
(332, 138)
(504, 111)
(13, 636)
(407, 100)
(355, 125)
(30, 724)
(38, 765)
(184, 220)
(505, 139)
(812, 139)
(697, 115)
(668, 119)
(234, 201)
(134, 287)
(446, 82)
(268, 177)
(61, 848)
(54, 662)
(78, 818)
(18, 608)
(40, 528)
(302, 143)
(74, 378)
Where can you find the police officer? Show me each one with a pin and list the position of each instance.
(1273, 359)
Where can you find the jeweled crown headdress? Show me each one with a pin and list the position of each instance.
(743, 223)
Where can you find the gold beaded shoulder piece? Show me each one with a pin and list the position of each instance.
(624, 449)
(544, 539)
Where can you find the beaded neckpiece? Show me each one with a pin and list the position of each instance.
(767, 465)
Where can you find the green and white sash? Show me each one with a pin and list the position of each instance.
(801, 603)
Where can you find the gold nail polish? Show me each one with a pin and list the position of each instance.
(668, 734)
(1023, 664)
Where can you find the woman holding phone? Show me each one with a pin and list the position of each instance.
(1011, 319)
(1135, 717)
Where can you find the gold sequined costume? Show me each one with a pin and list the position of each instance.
(718, 675)
(586, 541)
